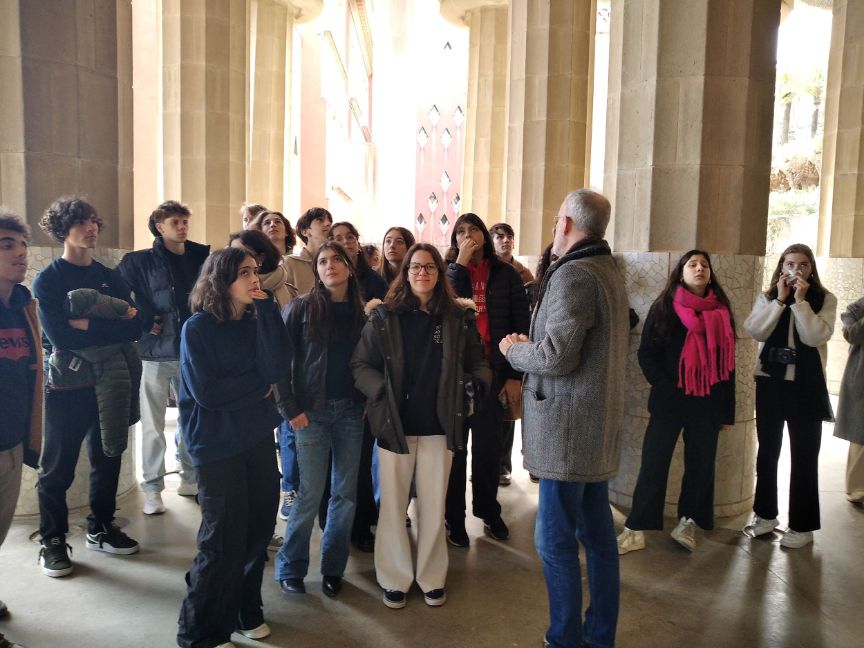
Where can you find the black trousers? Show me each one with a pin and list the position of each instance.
(777, 402)
(508, 428)
(71, 416)
(366, 511)
(485, 437)
(238, 496)
(696, 499)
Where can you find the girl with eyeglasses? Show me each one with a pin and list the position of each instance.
(417, 352)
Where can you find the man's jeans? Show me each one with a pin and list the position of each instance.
(288, 454)
(156, 380)
(569, 513)
(338, 428)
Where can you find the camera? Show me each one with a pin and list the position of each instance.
(781, 355)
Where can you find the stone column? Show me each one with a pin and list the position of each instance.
(551, 62)
(271, 34)
(204, 98)
(486, 110)
(841, 197)
(65, 129)
(688, 162)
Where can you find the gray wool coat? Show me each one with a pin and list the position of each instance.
(850, 409)
(572, 394)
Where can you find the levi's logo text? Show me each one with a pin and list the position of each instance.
(14, 344)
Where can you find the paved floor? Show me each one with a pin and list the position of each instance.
(732, 591)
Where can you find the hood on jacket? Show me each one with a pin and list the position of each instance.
(466, 304)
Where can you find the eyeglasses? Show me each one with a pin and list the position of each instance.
(415, 268)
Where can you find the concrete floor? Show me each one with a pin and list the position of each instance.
(732, 591)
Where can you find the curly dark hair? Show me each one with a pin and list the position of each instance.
(401, 298)
(212, 290)
(66, 212)
(166, 210)
(12, 222)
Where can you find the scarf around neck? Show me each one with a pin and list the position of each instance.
(708, 354)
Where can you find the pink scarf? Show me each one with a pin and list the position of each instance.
(708, 355)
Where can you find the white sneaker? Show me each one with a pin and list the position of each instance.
(153, 504)
(759, 526)
(630, 540)
(856, 497)
(260, 632)
(187, 489)
(685, 533)
(796, 539)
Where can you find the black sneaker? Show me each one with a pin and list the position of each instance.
(112, 540)
(394, 599)
(54, 559)
(436, 597)
(457, 535)
(496, 529)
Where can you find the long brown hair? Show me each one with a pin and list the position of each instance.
(386, 272)
(816, 290)
(401, 298)
(257, 223)
(361, 263)
(212, 290)
(318, 299)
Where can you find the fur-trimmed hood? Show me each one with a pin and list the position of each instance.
(464, 303)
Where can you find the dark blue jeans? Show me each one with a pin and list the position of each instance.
(569, 513)
(288, 453)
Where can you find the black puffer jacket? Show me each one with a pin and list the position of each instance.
(506, 304)
(658, 359)
(305, 388)
(148, 273)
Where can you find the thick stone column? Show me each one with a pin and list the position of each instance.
(271, 38)
(841, 197)
(691, 95)
(204, 98)
(551, 62)
(486, 110)
(65, 122)
(65, 128)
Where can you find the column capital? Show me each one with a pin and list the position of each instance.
(454, 11)
(303, 10)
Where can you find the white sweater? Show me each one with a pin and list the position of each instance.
(814, 329)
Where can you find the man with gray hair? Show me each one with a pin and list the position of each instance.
(574, 362)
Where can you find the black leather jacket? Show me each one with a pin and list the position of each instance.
(305, 388)
(148, 273)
